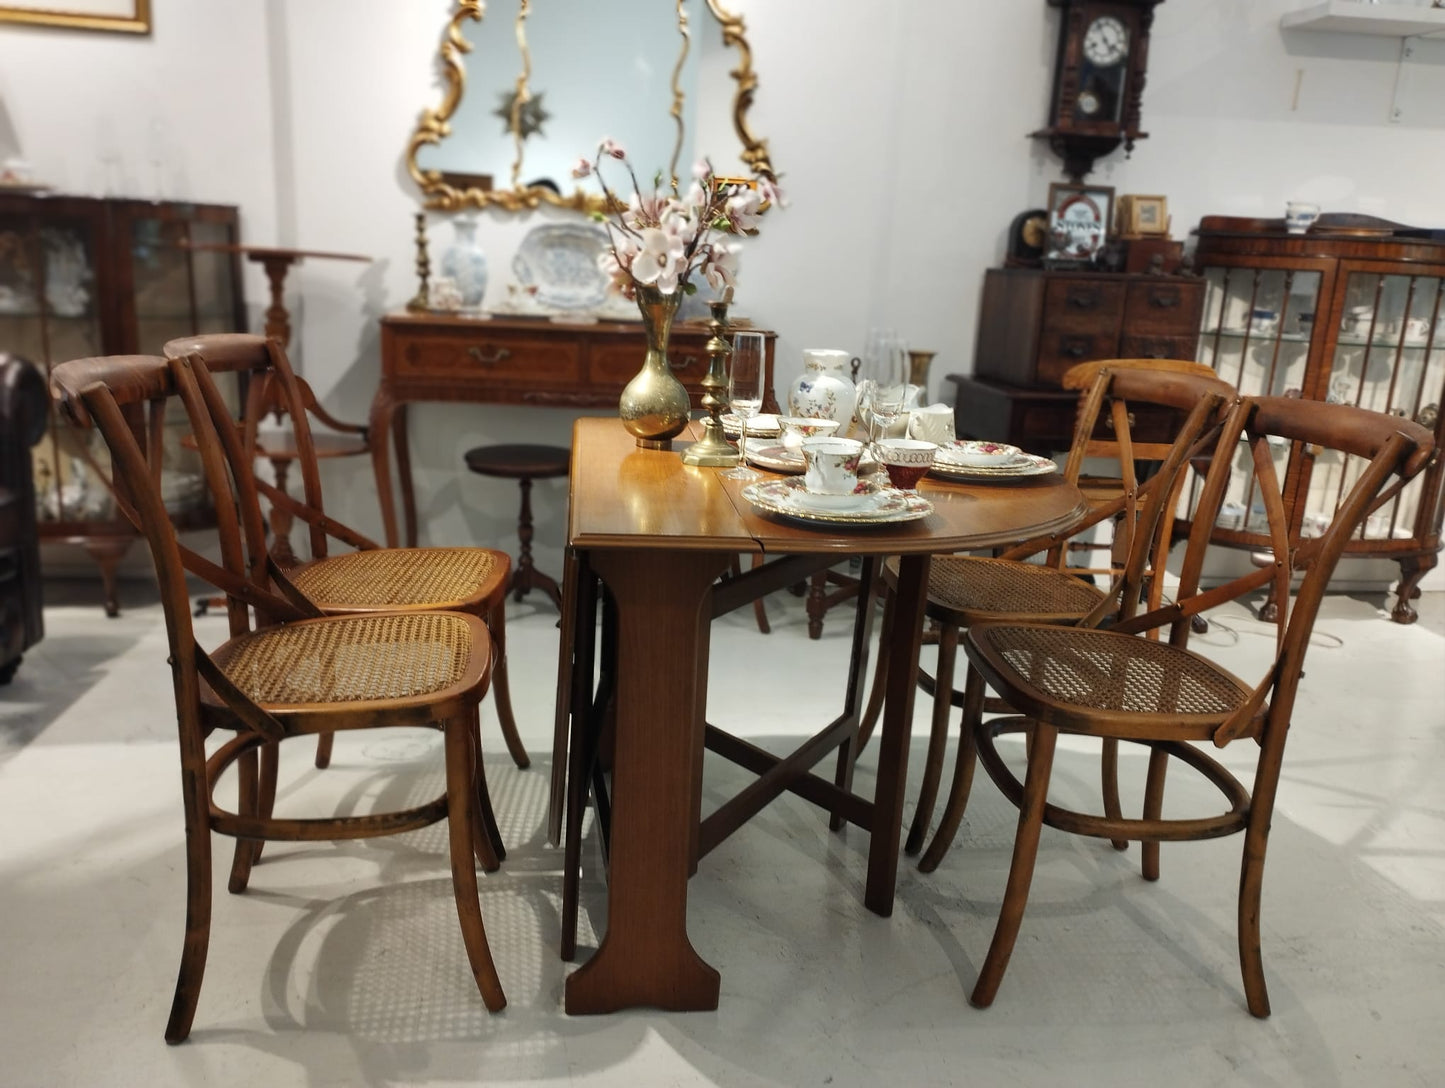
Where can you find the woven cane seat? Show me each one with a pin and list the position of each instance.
(353, 659)
(963, 590)
(1093, 677)
(402, 577)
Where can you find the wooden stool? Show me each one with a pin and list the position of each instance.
(524, 464)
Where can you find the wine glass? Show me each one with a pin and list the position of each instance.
(746, 378)
(885, 384)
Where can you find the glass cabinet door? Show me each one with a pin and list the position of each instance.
(1258, 323)
(1389, 356)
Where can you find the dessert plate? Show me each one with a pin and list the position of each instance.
(971, 453)
(1018, 467)
(789, 498)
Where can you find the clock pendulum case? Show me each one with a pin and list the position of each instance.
(1098, 79)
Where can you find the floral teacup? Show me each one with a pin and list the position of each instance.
(797, 428)
(906, 461)
(832, 465)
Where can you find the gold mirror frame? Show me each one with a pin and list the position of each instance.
(435, 124)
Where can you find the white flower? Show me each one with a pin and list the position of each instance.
(702, 169)
(619, 278)
(680, 222)
(742, 210)
(771, 192)
(582, 169)
(721, 265)
(658, 261)
(609, 146)
(644, 211)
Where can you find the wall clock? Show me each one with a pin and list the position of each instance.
(1098, 79)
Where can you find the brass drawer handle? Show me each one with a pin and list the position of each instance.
(1075, 349)
(1109, 421)
(687, 361)
(1083, 299)
(498, 356)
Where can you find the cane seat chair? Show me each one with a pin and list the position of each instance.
(371, 578)
(963, 590)
(303, 676)
(1120, 685)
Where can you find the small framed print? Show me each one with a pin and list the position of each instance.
(1079, 218)
(127, 16)
(1143, 216)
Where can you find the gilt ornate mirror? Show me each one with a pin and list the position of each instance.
(534, 84)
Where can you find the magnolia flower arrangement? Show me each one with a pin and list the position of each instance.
(662, 238)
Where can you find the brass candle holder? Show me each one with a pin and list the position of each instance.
(713, 450)
(422, 299)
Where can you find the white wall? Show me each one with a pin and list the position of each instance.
(900, 131)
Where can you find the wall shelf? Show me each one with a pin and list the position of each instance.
(1357, 17)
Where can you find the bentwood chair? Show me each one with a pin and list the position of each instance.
(371, 578)
(1120, 685)
(1115, 396)
(302, 676)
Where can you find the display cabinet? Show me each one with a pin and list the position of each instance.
(1351, 312)
(82, 276)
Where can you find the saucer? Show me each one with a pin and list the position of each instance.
(775, 458)
(1018, 467)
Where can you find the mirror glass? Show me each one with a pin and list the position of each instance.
(528, 86)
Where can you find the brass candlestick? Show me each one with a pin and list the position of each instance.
(713, 450)
(422, 299)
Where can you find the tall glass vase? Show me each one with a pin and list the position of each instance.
(654, 405)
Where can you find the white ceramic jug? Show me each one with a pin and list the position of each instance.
(823, 391)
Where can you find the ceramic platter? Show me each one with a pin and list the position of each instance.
(880, 506)
(760, 426)
(1020, 466)
(560, 261)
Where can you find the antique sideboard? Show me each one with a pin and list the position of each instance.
(500, 360)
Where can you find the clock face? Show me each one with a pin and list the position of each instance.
(1088, 103)
(1106, 41)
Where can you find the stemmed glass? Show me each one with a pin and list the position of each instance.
(745, 393)
(885, 382)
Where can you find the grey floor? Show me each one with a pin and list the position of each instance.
(342, 965)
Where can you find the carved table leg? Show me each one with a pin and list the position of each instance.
(107, 553)
(281, 519)
(645, 958)
(1412, 569)
(403, 470)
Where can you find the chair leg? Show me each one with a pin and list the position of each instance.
(1153, 808)
(1109, 773)
(973, 692)
(266, 799)
(248, 795)
(198, 910)
(460, 799)
(1251, 883)
(501, 686)
(937, 739)
(489, 847)
(1021, 870)
(323, 750)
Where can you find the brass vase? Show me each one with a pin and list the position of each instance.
(655, 406)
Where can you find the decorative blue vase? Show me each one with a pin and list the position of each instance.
(465, 263)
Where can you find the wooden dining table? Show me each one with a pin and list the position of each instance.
(659, 533)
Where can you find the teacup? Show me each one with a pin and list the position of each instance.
(906, 460)
(1299, 216)
(1417, 329)
(832, 465)
(797, 428)
(931, 423)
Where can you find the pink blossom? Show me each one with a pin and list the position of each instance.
(771, 192)
(582, 168)
(645, 211)
(721, 265)
(609, 146)
(702, 169)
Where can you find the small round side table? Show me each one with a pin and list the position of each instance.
(524, 464)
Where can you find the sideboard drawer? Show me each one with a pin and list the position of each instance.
(1083, 305)
(617, 364)
(1168, 307)
(1157, 347)
(1058, 351)
(493, 359)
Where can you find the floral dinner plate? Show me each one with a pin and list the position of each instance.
(1020, 466)
(970, 453)
(881, 506)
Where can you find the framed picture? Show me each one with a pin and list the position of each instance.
(1143, 216)
(1079, 218)
(127, 16)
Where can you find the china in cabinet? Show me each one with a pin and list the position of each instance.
(1351, 312)
(80, 277)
